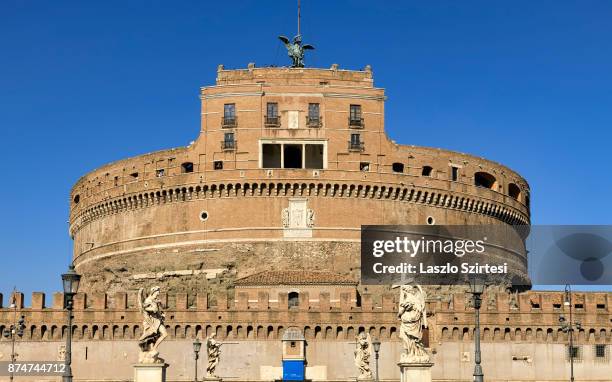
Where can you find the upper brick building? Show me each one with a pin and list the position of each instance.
(289, 163)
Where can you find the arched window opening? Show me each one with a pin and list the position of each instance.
(294, 299)
(187, 167)
(514, 191)
(484, 180)
(427, 171)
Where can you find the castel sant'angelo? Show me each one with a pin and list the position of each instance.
(254, 228)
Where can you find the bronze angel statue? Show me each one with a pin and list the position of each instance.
(154, 331)
(295, 50)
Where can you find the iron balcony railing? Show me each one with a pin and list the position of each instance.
(229, 145)
(272, 121)
(356, 123)
(229, 122)
(312, 121)
(355, 146)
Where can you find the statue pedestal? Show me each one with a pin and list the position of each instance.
(150, 372)
(415, 372)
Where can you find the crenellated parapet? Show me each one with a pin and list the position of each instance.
(530, 316)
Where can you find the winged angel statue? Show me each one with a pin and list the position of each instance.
(154, 331)
(413, 316)
(295, 50)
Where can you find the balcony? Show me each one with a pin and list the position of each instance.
(228, 145)
(314, 122)
(355, 146)
(356, 123)
(272, 121)
(229, 122)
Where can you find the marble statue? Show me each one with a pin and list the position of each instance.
(413, 316)
(154, 331)
(213, 349)
(362, 357)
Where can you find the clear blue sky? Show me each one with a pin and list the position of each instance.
(83, 83)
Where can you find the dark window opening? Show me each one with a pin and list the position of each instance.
(218, 165)
(161, 172)
(578, 306)
(514, 191)
(355, 143)
(293, 344)
(187, 167)
(292, 156)
(293, 299)
(229, 115)
(76, 199)
(314, 118)
(398, 167)
(228, 143)
(134, 175)
(573, 352)
(364, 166)
(314, 156)
(272, 109)
(426, 171)
(271, 156)
(484, 180)
(601, 306)
(556, 306)
(600, 351)
(272, 117)
(116, 181)
(355, 118)
(454, 173)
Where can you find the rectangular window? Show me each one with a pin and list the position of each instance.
(314, 118)
(271, 156)
(229, 115)
(574, 352)
(159, 173)
(228, 141)
(600, 351)
(272, 110)
(218, 165)
(272, 117)
(355, 139)
(313, 111)
(454, 174)
(355, 112)
(364, 166)
(314, 156)
(229, 110)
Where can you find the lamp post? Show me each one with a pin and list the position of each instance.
(196, 349)
(16, 328)
(376, 346)
(477, 286)
(568, 327)
(70, 281)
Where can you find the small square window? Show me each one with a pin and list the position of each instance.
(600, 351)
(218, 165)
(398, 167)
(364, 166)
(160, 172)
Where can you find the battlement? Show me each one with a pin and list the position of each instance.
(306, 76)
(526, 316)
(531, 301)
